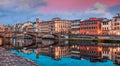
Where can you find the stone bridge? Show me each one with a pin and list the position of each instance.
(35, 36)
(32, 34)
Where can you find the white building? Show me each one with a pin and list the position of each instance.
(75, 27)
(106, 27)
(116, 25)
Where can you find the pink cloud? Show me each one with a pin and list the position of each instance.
(67, 5)
(111, 2)
(72, 5)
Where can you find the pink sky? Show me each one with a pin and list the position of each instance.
(71, 5)
(110, 2)
(48, 9)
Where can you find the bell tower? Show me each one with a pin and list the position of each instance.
(37, 24)
(37, 21)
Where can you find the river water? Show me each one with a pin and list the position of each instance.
(71, 53)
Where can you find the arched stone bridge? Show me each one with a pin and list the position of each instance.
(32, 34)
(9, 37)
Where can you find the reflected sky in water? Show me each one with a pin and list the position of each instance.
(69, 53)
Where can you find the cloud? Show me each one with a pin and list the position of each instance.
(67, 5)
(114, 9)
(22, 4)
(65, 15)
(110, 3)
(99, 9)
(14, 11)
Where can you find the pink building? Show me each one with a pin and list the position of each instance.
(91, 26)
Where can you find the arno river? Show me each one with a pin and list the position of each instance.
(70, 53)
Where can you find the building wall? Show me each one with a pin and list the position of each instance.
(29, 28)
(116, 25)
(106, 27)
(75, 27)
(46, 27)
(9, 28)
(62, 26)
(91, 26)
(22, 27)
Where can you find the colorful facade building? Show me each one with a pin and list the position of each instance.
(46, 27)
(75, 27)
(62, 26)
(116, 25)
(24, 27)
(91, 26)
(106, 27)
(27, 27)
(9, 28)
(16, 27)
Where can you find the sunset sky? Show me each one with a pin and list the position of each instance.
(19, 11)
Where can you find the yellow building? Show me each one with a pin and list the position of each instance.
(44, 26)
(62, 26)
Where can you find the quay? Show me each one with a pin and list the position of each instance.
(10, 59)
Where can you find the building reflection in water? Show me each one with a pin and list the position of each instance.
(56, 51)
(116, 55)
(92, 52)
(22, 40)
(25, 50)
(95, 52)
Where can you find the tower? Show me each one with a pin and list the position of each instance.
(37, 21)
(37, 24)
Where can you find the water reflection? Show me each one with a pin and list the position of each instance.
(55, 51)
(95, 52)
